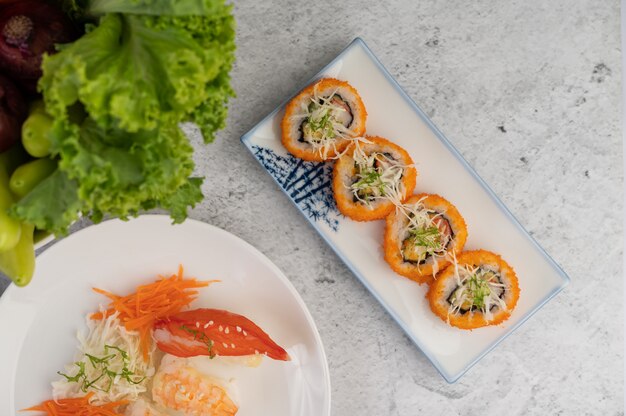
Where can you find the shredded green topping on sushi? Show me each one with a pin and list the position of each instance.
(377, 176)
(317, 128)
(369, 182)
(326, 119)
(426, 233)
(423, 241)
(429, 238)
(478, 289)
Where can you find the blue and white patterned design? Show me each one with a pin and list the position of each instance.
(309, 184)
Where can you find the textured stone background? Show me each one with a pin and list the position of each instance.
(529, 92)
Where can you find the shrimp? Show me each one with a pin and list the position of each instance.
(178, 386)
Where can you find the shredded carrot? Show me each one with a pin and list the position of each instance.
(140, 310)
(77, 407)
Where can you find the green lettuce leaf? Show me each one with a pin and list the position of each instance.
(113, 173)
(130, 75)
(215, 32)
(53, 205)
(187, 195)
(118, 95)
(118, 172)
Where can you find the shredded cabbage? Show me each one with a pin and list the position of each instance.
(478, 288)
(421, 229)
(109, 364)
(322, 128)
(378, 176)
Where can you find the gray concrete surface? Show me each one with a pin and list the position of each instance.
(529, 92)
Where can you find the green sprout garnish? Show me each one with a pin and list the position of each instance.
(426, 237)
(377, 176)
(202, 337)
(78, 376)
(369, 179)
(478, 289)
(324, 125)
(102, 364)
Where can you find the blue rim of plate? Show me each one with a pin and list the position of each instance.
(450, 378)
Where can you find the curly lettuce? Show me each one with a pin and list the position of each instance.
(134, 72)
(53, 205)
(118, 95)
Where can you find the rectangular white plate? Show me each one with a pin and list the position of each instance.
(442, 170)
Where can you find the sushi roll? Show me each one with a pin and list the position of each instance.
(479, 289)
(372, 177)
(320, 121)
(420, 236)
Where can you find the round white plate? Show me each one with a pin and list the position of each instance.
(38, 323)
